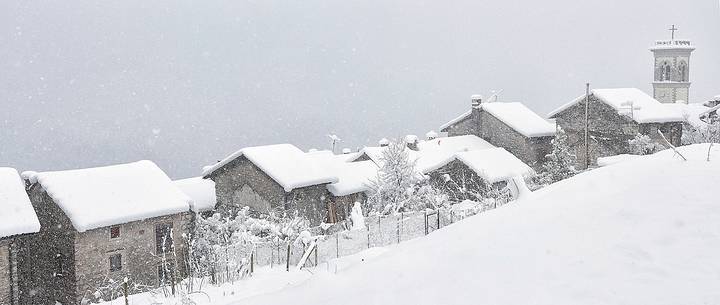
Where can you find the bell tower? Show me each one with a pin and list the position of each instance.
(672, 69)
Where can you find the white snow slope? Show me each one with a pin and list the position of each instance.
(645, 231)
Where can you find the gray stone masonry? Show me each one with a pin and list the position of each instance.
(69, 266)
(241, 183)
(532, 151)
(609, 131)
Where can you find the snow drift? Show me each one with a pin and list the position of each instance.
(644, 231)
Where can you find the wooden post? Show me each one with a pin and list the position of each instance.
(337, 244)
(252, 261)
(125, 292)
(316, 260)
(287, 261)
(587, 125)
(398, 227)
(426, 223)
(438, 219)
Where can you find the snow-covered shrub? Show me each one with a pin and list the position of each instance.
(560, 163)
(644, 145)
(398, 187)
(709, 133)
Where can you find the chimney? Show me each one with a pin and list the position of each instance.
(431, 135)
(412, 142)
(383, 142)
(346, 151)
(476, 100)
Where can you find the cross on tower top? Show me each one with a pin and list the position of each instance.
(672, 31)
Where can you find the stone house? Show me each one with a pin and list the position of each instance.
(201, 192)
(511, 126)
(273, 178)
(17, 222)
(473, 175)
(353, 185)
(616, 116)
(105, 224)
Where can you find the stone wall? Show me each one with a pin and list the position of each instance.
(139, 256)
(5, 281)
(62, 265)
(231, 179)
(532, 151)
(46, 252)
(609, 131)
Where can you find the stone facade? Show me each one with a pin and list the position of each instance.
(69, 266)
(532, 151)
(671, 80)
(6, 282)
(465, 184)
(15, 269)
(240, 183)
(609, 131)
(341, 206)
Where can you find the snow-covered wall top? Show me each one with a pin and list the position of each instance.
(353, 177)
(691, 112)
(520, 118)
(286, 164)
(201, 191)
(494, 164)
(633, 103)
(103, 196)
(18, 215)
(455, 120)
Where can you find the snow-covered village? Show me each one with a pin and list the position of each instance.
(326, 152)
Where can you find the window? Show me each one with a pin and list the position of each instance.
(666, 72)
(683, 72)
(115, 262)
(59, 266)
(163, 238)
(114, 232)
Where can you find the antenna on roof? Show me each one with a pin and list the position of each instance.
(494, 97)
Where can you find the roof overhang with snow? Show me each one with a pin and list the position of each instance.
(18, 215)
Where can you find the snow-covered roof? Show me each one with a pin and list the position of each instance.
(645, 109)
(17, 216)
(201, 191)
(435, 153)
(455, 120)
(494, 164)
(375, 154)
(709, 110)
(690, 112)
(605, 161)
(353, 177)
(104, 196)
(515, 115)
(286, 164)
(520, 118)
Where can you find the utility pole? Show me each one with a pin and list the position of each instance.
(587, 119)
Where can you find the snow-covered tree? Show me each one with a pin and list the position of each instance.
(560, 163)
(709, 133)
(398, 187)
(644, 145)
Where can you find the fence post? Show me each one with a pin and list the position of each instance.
(426, 223)
(287, 261)
(316, 250)
(380, 229)
(252, 261)
(398, 227)
(125, 292)
(438, 218)
(337, 244)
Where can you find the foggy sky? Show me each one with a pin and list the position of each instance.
(185, 83)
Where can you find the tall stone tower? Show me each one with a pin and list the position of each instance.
(672, 69)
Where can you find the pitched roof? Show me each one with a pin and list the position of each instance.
(494, 164)
(353, 177)
(17, 216)
(286, 164)
(516, 115)
(435, 153)
(201, 191)
(646, 109)
(520, 118)
(691, 112)
(104, 196)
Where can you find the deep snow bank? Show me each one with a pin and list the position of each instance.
(645, 231)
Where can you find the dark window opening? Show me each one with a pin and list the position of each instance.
(115, 232)
(115, 262)
(163, 238)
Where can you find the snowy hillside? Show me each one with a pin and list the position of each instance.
(643, 231)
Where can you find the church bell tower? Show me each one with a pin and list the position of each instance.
(672, 69)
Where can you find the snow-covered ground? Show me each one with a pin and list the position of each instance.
(644, 231)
